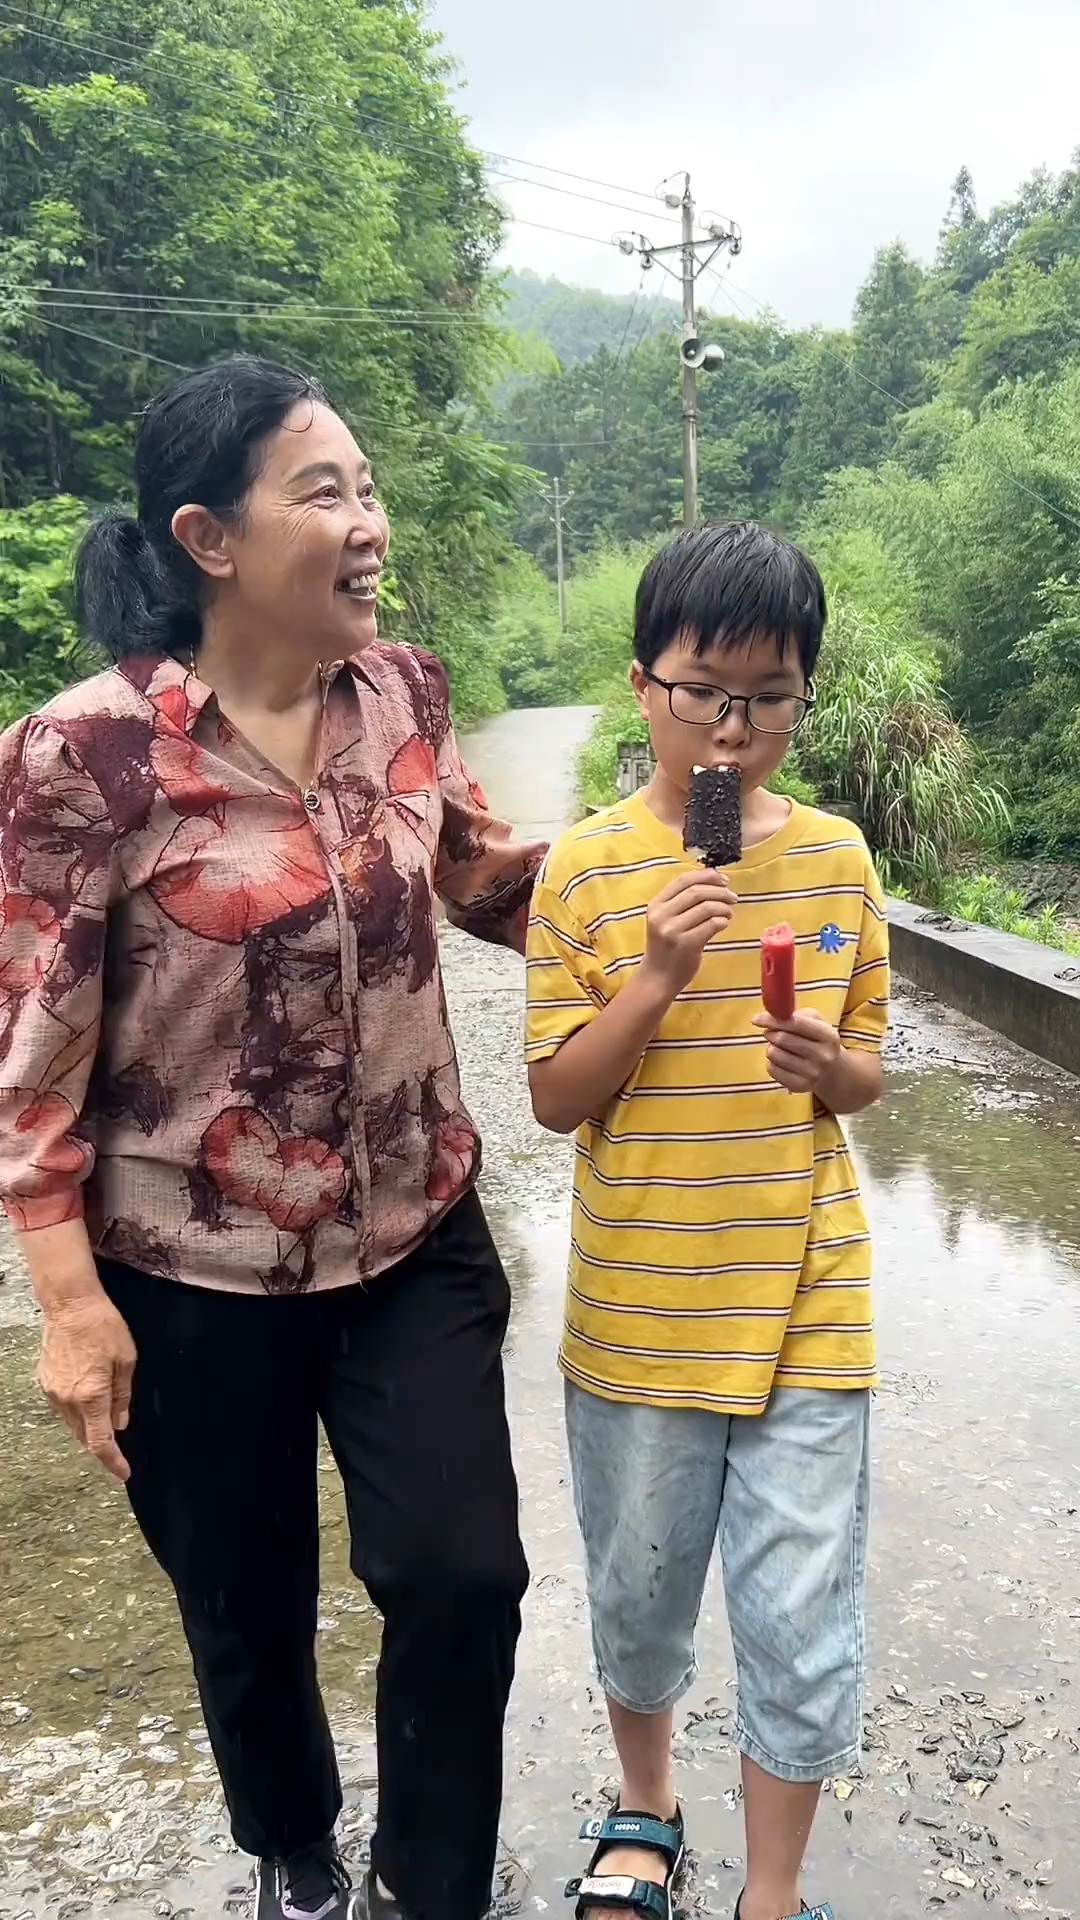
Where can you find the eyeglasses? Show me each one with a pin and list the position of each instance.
(703, 706)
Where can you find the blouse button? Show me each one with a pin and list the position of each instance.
(312, 800)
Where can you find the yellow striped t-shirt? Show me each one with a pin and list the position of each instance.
(718, 1243)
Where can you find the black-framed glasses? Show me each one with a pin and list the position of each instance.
(704, 706)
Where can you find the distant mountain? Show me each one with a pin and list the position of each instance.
(576, 321)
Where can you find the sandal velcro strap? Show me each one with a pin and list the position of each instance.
(623, 1827)
(620, 1890)
(619, 1829)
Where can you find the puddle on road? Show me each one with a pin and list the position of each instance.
(103, 1757)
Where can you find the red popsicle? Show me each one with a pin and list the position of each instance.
(778, 971)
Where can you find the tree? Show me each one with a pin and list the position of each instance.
(179, 183)
(961, 256)
(893, 343)
(39, 645)
(830, 429)
(1020, 323)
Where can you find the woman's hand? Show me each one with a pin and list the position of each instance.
(85, 1372)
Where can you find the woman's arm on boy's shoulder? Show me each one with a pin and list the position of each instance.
(484, 875)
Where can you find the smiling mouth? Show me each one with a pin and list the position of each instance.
(359, 586)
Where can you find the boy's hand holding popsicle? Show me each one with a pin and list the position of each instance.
(801, 1048)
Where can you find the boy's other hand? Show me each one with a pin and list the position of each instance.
(689, 912)
(800, 1052)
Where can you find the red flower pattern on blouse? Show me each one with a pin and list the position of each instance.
(197, 884)
(30, 935)
(294, 1182)
(222, 1023)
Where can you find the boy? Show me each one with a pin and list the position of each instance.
(718, 1348)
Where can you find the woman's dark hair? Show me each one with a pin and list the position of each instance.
(136, 589)
(725, 584)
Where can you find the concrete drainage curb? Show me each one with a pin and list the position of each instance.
(1029, 993)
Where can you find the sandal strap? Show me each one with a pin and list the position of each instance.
(621, 1891)
(628, 1829)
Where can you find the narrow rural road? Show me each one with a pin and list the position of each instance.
(970, 1795)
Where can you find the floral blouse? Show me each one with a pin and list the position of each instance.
(223, 1033)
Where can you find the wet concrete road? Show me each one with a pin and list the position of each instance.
(107, 1800)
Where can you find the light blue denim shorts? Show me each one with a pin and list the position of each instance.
(786, 1497)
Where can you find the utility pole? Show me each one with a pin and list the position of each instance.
(560, 557)
(689, 370)
(695, 251)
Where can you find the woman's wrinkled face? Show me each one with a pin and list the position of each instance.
(304, 561)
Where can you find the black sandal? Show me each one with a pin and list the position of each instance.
(621, 1890)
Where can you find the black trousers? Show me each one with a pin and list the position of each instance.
(406, 1377)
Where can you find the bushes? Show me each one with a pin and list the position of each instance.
(883, 742)
(988, 901)
(982, 540)
(598, 761)
(527, 636)
(40, 650)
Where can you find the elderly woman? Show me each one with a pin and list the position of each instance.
(232, 1138)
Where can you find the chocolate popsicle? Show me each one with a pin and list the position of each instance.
(713, 826)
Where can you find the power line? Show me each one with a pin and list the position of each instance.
(256, 150)
(21, 18)
(146, 116)
(648, 322)
(268, 310)
(214, 300)
(516, 441)
(629, 322)
(761, 305)
(729, 295)
(370, 419)
(125, 295)
(572, 193)
(564, 173)
(594, 239)
(139, 353)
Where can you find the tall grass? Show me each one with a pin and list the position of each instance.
(884, 743)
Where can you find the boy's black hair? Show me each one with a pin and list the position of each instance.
(725, 584)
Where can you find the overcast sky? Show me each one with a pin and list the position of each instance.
(825, 127)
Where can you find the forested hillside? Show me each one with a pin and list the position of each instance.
(577, 321)
(930, 455)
